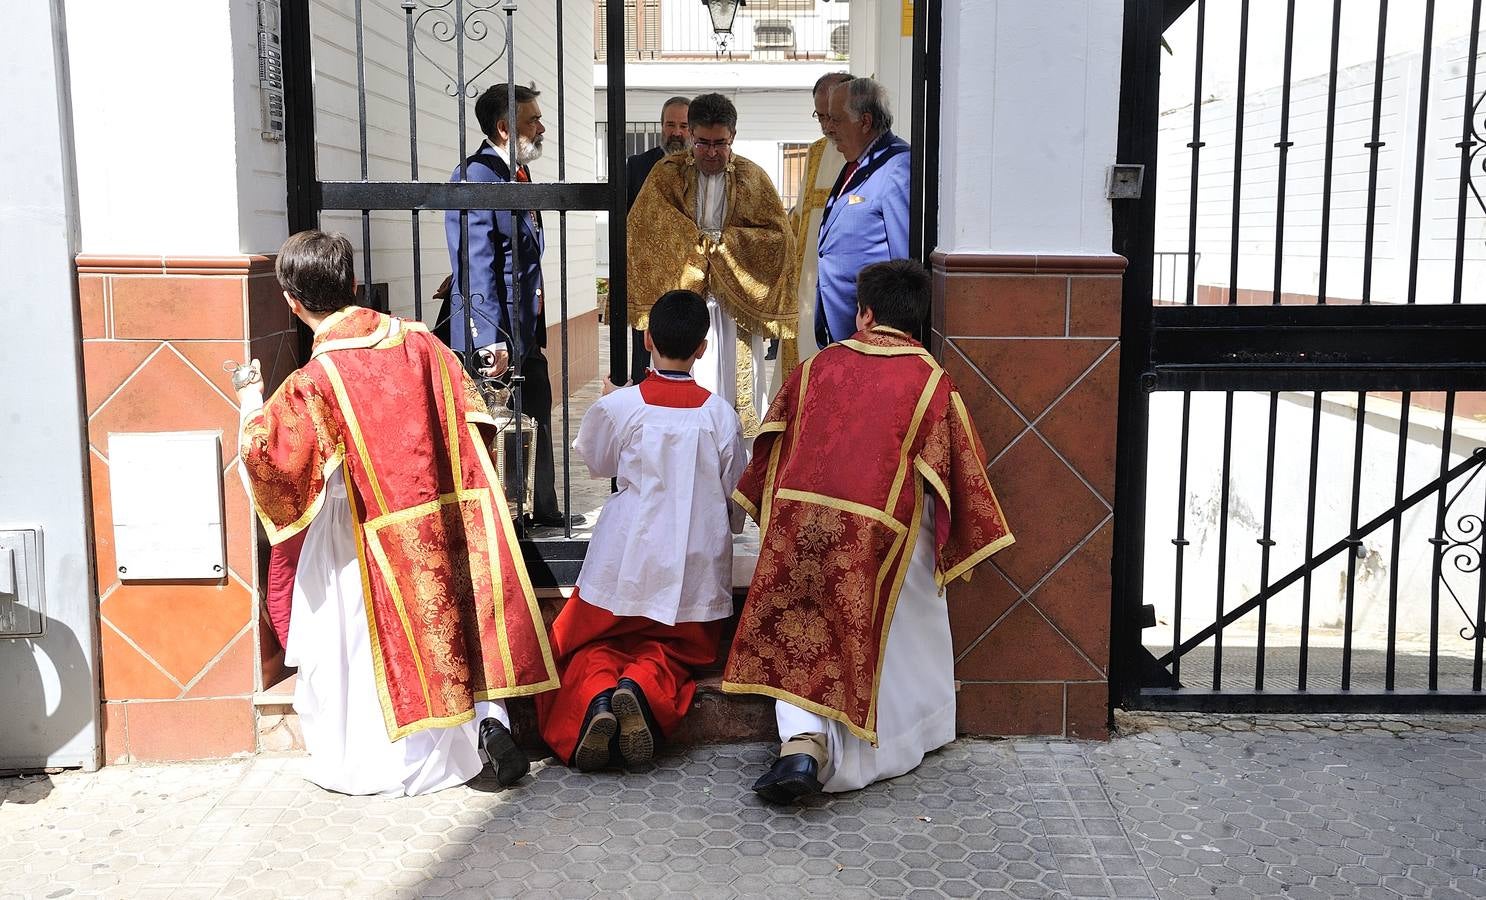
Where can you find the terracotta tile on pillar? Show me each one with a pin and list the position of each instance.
(994, 419)
(1006, 305)
(202, 307)
(107, 364)
(181, 625)
(240, 524)
(277, 355)
(207, 358)
(1083, 425)
(166, 395)
(1010, 709)
(1088, 711)
(105, 564)
(1077, 596)
(1024, 647)
(115, 733)
(191, 729)
(129, 676)
(1094, 306)
(232, 675)
(267, 311)
(1047, 507)
(1032, 373)
(90, 298)
(975, 604)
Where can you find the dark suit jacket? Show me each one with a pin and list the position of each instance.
(495, 312)
(637, 169)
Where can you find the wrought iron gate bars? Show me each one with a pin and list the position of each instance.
(1293, 349)
(1353, 539)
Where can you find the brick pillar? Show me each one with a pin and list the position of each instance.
(181, 660)
(1032, 342)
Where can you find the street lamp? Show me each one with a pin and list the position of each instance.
(723, 12)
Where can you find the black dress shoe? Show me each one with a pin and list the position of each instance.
(638, 733)
(509, 762)
(594, 738)
(790, 779)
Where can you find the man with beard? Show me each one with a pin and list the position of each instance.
(675, 135)
(505, 324)
(711, 222)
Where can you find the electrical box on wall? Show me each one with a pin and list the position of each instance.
(270, 70)
(167, 505)
(22, 613)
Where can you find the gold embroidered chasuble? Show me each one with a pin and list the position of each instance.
(823, 163)
(450, 608)
(749, 268)
(837, 485)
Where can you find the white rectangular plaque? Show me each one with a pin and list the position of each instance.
(167, 505)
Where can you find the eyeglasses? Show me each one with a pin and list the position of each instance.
(824, 119)
(712, 145)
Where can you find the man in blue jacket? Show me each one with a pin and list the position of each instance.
(505, 325)
(866, 217)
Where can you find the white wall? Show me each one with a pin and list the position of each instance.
(1304, 189)
(1028, 124)
(1333, 515)
(389, 158)
(156, 124)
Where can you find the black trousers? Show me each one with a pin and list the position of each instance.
(536, 401)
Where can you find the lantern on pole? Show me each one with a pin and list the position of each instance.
(723, 12)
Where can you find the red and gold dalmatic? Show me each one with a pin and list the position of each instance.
(837, 486)
(450, 608)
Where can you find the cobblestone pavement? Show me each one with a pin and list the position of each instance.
(1178, 806)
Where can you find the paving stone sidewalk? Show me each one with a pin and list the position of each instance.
(1175, 807)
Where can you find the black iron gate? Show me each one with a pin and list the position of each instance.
(1300, 507)
(471, 44)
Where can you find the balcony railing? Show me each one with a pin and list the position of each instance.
(764, 31)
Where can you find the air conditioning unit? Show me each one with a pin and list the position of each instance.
(773, 34)
(841, 41)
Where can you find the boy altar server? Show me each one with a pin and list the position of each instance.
(657, 582)
(869, 484)
(412, 615)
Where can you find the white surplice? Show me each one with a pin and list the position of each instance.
(655, 549)
(717, 370)
(335, 694)
(916, 697)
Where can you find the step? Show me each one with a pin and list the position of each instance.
(715, 717)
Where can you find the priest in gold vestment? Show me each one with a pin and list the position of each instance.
(823, 163)
(412, 617)
(711, 222)
(868, 482)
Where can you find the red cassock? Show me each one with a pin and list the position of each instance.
(451, 611)
(837, 484)
(595, 648)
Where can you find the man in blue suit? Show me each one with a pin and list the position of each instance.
(505, 324)
(866, 217)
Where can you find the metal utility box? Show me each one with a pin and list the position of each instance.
(22, 597)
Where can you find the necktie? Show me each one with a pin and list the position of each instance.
(522, 174)
(851, 169)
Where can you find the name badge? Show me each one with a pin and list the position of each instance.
(853, 199)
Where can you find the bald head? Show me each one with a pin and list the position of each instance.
(822, 96)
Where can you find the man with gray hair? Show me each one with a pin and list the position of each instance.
(866, 216)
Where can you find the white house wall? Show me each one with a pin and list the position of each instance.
(389, 153)
(1304, 188)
